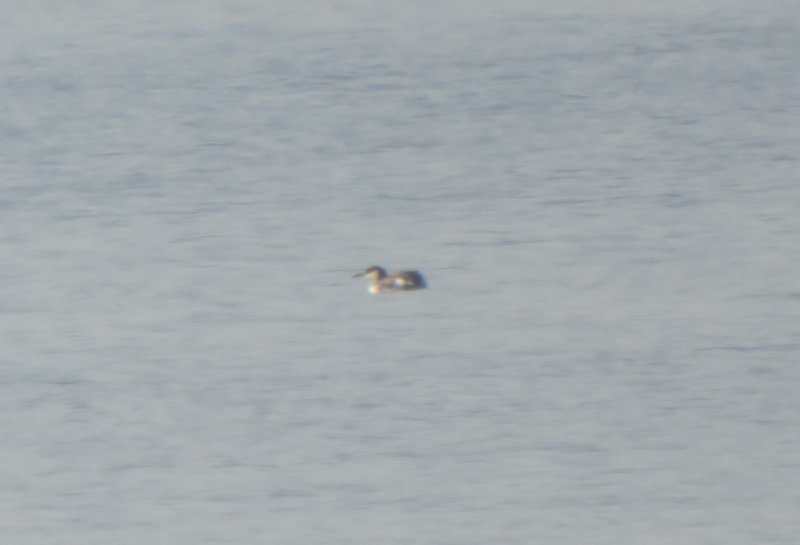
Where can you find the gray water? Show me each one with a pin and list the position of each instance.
(604, 201)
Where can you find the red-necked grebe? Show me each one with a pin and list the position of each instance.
(396, 281)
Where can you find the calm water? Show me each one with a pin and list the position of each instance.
(605, 204)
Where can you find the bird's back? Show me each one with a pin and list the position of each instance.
(407, 280)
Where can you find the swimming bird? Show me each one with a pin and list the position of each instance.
(396, 281)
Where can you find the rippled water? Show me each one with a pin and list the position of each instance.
(604, 203)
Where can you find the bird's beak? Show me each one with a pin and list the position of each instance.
(358, 274)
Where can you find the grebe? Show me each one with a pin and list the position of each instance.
(397, 281)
